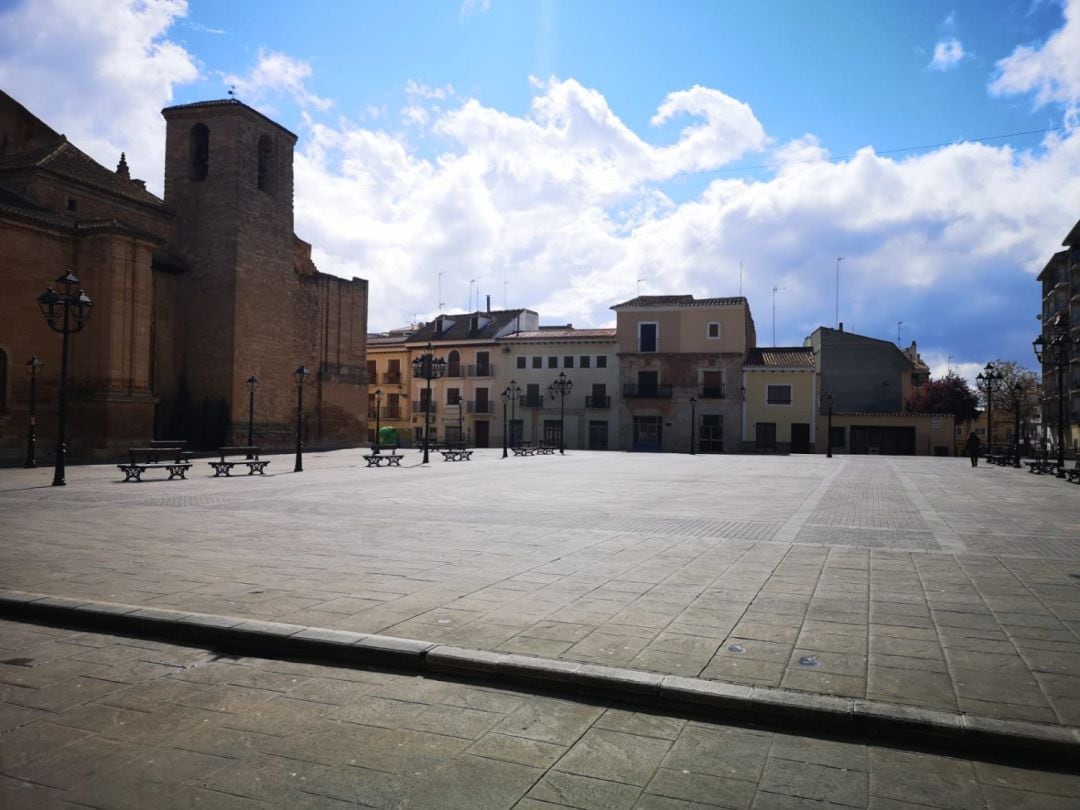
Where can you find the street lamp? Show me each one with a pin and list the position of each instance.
(515, 391)
(299, 375)
(1056, 352)
(828, 436)
(460, 422)
(252, 383)
(987, 381)
(505, 396)
(378, 415)
(66, 313)
(693, 423)
(428, 367)
(33, 369)
(561, 387)
(1017, 392)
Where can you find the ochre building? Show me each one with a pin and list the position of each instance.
(194, 293)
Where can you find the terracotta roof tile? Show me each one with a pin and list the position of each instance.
(781, 357)
(667, 301)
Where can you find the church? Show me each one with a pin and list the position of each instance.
(193, 294)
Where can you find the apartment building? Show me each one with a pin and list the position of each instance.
(389, 376)
(780, 400)
(1060, 280)
(532, 362)
(673, 349)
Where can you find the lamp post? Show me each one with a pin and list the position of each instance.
(693, 423)
(560, 388)
(460, 420)
(1056, 352)
(66, 313)
(1017, 392)
(828, 436)
(428, 367)
(253, 383)
(33, 369)
(378, 415)
(988, 381)
(505, 396)
(299, 375)
(515, 391)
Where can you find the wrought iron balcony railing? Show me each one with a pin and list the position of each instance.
(528, 401)
(597, 402)
(711, 392)
(631, 391)
(481, 407)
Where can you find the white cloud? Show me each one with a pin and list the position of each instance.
(948, 53)
(414, 90)
(116, 67)
(274, 73)
(1051, 71)
(473, 6)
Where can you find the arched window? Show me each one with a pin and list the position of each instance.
(266, 154)
(200, 152)
(453, 364)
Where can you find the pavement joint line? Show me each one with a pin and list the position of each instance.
(943, 533)
(780, 708)
(791, 527)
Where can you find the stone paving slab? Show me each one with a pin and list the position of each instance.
(92, 720)
(910, 581)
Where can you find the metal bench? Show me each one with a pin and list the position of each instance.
(456, 454)
(383, 454)
(150, 458)
(251, 460)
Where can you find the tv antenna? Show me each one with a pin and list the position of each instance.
(740, 278)
(775, 290)
(838, 260)
(639, 284)
(898, 325)
(442, 304)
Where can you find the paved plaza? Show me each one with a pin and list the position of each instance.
(914, 583)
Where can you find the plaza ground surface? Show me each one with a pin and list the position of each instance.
(910, 582)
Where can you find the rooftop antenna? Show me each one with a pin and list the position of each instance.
(468, 304)
(838, 260)
(232, 91)
(504, 293)
(639, 284)
(898, 325)
(442, 304)
(775, 290)
(740, 278)
(948, 365)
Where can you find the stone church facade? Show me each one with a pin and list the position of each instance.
(193, 293)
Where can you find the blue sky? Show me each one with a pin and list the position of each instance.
(566, 155)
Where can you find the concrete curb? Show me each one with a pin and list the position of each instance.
(779, 708)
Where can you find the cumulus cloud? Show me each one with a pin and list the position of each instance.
(948, 53)
(278, 73)
(115, 64)
(1051, 70)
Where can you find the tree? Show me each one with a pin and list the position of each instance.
(950, 394)
(1015, 374)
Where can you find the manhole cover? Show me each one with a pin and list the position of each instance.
(809, 662)
(736, 648)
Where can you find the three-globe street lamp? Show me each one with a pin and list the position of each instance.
(693, 423)
(515, 391)
(987, 381)
(428, 367)
(34, 367)
(560, 388)
(1056, 352)
(505, 396)
(378, 416)
(828, 436)
(299, 375)
(252, 384)
(460, 420)
(66, 313)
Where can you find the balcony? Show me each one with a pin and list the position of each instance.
(631, 391)
(528, 401)
(418, 406)
(481, 408)
(711, 392)
(391, 378)
(387, 413)
(597, 402)
(480, 370)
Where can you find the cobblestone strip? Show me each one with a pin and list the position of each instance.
(791, 527)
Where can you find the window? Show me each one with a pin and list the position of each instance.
(521, 361)
(200, 152)
(648, 382)
(266, 152)
(712, 385)
(393, 406)
(553, 362)
(583, 361)
(483, 364)
(73, 205)
(453, 364)
(765, 436)
(568, 361)
(393, 373)
(452, 396)
(601, 361)
(598, 435)
(712, 330)
(538, 362)
(533, 397)
(372, 373)
(647, 336)
(778, 395)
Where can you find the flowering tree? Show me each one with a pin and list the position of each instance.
(950, 394)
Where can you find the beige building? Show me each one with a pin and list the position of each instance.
(533, 360)
(673, 348)
(921, 434)
(780, 397)
(389, 374)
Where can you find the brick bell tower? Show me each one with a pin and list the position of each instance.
(229, 183)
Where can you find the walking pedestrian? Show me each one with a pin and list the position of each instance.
(973, 447)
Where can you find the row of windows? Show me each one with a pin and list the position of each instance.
(568, 360)
(649, 334)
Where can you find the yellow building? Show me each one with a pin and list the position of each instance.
(389, 373)
(780, 395)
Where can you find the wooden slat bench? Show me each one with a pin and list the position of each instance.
(150, 458)
(228, 460)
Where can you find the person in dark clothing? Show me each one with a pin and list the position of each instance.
(973, 447)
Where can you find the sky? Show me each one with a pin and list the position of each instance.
(567, 156)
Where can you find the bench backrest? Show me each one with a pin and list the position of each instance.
(238, 451)
(168, 444)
